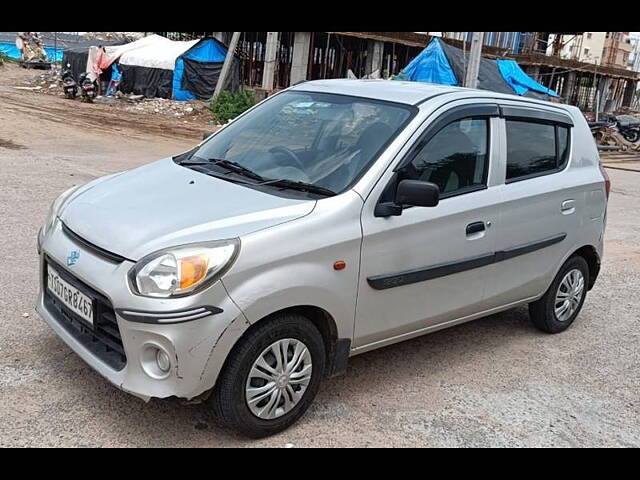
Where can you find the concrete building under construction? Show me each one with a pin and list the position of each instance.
(275, 60)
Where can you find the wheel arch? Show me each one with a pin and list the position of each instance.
(336, 349)
(326, 325)
(590, 255)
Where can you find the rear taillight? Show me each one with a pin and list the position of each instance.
(607, 180)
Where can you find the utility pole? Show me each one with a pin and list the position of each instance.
(226, 66)
(475, 55)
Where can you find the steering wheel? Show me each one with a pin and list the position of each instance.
(289, 153)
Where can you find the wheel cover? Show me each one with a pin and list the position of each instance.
(278, 378)
(569, 295)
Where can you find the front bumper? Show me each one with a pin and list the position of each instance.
(190, 344)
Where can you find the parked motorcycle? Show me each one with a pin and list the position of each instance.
(628, 126)
(608, 136)
(69, 85)
(88, 88)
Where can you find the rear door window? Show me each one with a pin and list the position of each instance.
(535, 149)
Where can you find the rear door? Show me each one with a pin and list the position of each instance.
(540, 202)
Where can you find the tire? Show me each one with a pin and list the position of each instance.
(632, 135)
(543, 312)
(229, 397)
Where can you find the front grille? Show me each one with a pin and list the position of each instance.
(96, 250)
(103, 340)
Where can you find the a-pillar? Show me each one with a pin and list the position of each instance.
(270, 53)
(300, 59)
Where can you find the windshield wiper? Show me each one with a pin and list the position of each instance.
(229, 165)
(242, 170)
(302, 186)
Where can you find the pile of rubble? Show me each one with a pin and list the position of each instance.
(47, 82)
(159, 106)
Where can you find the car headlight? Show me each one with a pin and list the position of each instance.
(55, 207)
(183, 270)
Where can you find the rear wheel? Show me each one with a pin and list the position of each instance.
(271, 376)
(632, 135)
(561, 304)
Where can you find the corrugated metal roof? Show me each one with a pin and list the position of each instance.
(50, 39)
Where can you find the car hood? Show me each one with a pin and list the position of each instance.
(162, 205)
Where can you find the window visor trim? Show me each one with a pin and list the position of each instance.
(535, 115)
(456, 113)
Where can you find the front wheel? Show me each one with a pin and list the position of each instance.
(271, 376)
(561, 304)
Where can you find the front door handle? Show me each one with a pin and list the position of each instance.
(475, 227)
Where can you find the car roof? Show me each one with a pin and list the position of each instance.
(410, 93)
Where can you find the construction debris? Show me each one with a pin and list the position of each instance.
(49, 83)
(163, 106)
(608, 137)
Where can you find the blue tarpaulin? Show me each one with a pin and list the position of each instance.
(520, 81)
(445, 64)
(11, 51)
(431, 66)
(207, 51)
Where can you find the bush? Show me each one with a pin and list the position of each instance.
(229, 105)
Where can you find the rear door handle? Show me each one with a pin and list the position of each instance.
(475, 227)
(568, 207)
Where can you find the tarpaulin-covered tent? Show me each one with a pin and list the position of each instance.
(78, 55)
(442, 63)
(155, 66)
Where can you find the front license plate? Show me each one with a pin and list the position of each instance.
(71, 297)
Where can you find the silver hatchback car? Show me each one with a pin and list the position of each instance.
(333, 218)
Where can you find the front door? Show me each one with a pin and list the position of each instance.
(430, 265)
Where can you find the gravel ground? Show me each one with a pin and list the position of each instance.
(492, 382)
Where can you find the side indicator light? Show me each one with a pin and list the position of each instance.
(339, 265)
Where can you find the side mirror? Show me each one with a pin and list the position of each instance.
(409, 192)
(417, 193)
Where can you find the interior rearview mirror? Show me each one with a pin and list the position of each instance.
(417, 193)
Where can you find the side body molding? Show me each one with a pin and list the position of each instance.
(384, 281)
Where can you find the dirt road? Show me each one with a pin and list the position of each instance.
(492, 382)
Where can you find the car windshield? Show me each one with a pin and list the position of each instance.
(305, 138)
